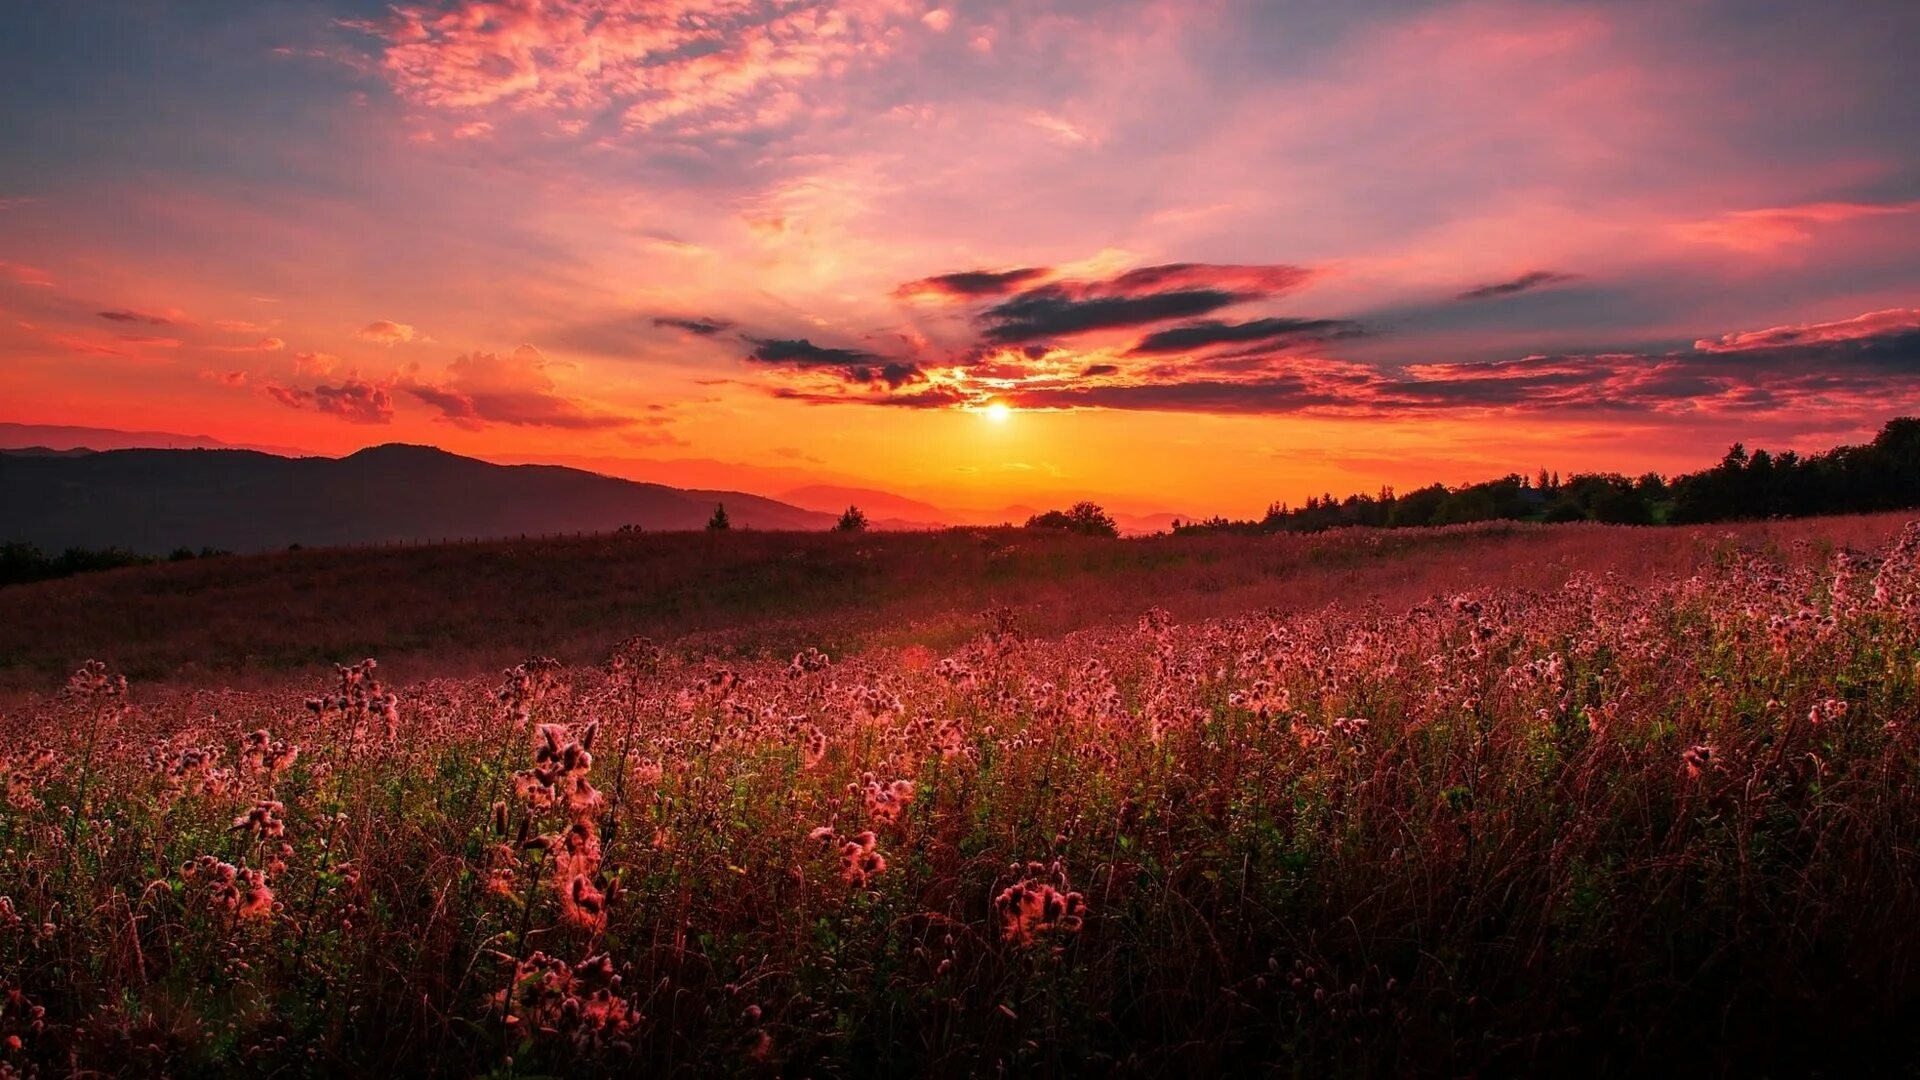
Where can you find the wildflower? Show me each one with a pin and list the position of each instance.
(582, 904)
(267, 820)
(1031, 908)
(861, 860)
(885, 801)
(1697, 759)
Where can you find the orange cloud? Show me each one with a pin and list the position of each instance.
(389, 333)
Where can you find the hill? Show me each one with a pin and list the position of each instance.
(153, 501)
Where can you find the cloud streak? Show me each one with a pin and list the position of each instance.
(1532, 279)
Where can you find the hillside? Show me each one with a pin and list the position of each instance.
(152, 501)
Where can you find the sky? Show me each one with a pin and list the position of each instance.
(1191, 257)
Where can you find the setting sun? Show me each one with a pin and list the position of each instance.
(997, 411)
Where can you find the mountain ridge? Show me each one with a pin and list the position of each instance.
(153, 500)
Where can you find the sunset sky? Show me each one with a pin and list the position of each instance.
(1186, 256)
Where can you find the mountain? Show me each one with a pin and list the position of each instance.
(66, 437)
(153, 501)
(877, 505)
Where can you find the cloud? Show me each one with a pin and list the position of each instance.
(1140, 297)
(851, 365)
(697, 326)
(1768, 229)
(971, 284)
(1532, 279)
(263, 345)
(1871, 325)
(685, 68)
(482, 388)
(355, 400)
(389, 333)
(1265, 333)
(315, 363)
(122, 315)
(1060, 129)
(1844, 367)
(23, 274)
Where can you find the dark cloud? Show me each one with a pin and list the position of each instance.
(1278, 394)
(1268, 333)
(698, 326)
(355, 400)
(1870, 363)
(124, 316)
(1250, 281)
(923, 397)
(972, 284)
(1532, 279)
(851, 365)
(1055, 312)
(1140, 297)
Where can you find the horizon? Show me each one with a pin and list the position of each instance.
(820, 498)
(1181, 259)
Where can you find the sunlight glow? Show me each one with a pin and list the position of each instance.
(997, 411)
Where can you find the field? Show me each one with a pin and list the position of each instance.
(1493, 800)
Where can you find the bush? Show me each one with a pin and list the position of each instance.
(1085, 518)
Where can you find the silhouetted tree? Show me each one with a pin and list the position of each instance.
(853, 520)
(719, 521)
(1086, 518)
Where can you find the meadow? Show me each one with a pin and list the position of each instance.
(1475, 800)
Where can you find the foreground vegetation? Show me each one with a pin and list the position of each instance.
(1605, 826)
(282, 619)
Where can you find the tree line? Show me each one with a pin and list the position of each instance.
(23, 563)
(1880, 475)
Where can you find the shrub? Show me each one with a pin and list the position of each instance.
(1085, 518)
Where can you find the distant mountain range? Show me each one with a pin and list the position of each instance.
(817, 504)
(153, 501)
(66, 437)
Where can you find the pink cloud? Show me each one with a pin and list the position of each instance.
(482, 388)
(1872, 324)
(27, 275)
(1766, 230)
(723, 62)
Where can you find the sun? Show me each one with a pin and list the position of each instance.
(998, 411)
